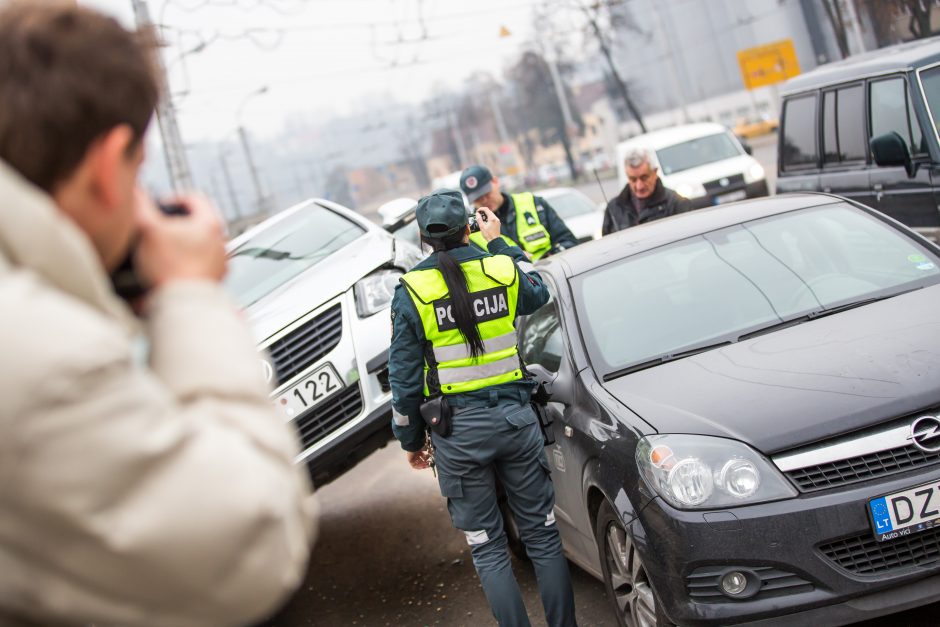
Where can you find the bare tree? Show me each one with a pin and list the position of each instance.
(837, 21)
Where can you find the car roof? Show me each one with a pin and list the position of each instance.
(651, 235)
(656, 140)
(551, 192)
(902, 57)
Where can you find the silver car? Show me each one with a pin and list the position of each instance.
(316, 282)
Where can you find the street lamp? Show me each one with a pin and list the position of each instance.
(260, 199)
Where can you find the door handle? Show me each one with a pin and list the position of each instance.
(878, 187)
(827, 189)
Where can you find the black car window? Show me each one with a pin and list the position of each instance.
(540, 341)
(891, 111)
(799, 133)
(850, 120)
(830, 142)
(727, 283)
(930, 79)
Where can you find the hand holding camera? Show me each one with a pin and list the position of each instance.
(177, 241)
(489, 224)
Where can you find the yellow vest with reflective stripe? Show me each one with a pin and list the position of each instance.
(494, 292)
(533, 236)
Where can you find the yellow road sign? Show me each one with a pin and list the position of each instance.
(768, 64)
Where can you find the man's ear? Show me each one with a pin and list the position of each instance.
(109, 155)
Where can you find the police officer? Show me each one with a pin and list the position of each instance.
(454, 339)
(528, 221)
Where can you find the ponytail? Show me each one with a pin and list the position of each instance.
(456, 281)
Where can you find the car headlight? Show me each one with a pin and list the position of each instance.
(374, 293)
(690, 190)
(754, 173)
(703, 472)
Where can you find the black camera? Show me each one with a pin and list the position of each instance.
(474, 226)
(127, 284)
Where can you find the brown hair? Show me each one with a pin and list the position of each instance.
(68, 75)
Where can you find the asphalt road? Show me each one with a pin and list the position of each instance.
(387, 556)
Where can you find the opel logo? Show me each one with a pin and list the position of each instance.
(925, 433)
(267, 370)
(724, 182)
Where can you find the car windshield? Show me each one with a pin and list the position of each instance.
(696, 152)
(736, 281)
(570, 204)
(931, 82)
(278, 254)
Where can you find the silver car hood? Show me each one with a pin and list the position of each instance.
(801, 384)
(327, 279)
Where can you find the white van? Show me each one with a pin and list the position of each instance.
(704, 162)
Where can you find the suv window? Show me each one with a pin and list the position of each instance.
(799, 133)
(850, 117)
(891, 110)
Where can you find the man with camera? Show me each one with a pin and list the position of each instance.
(145, 479)
(528, 221)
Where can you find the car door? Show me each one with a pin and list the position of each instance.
(797, 151)
(907, 199)
(845, 144)
(541, 342)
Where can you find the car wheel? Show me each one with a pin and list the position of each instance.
(628, 586)
(516, 546)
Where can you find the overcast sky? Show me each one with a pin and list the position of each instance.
(320, 57)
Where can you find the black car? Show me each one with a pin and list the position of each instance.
(747, 413)
(866, 128)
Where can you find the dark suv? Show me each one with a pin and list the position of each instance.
(865, 128)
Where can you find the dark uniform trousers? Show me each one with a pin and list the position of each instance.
(504, 440)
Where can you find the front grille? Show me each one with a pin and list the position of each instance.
(329, 416)
(734, 182)
(704, 584)
(306, 344)
(861, 468)
(863, 555)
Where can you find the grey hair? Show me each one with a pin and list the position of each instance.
(638, 156)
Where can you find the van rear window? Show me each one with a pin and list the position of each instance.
(799, 133)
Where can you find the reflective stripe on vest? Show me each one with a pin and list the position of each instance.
(494, 292)
(533, 236)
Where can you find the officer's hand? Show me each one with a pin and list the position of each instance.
(489, 224)
(177, 248)
(419, 460)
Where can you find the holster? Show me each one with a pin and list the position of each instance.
(438, 415)
(539, 399)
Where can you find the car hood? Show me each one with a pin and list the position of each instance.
(333, 276)
(709, 171)
(801, 384)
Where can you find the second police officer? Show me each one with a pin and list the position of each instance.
(528, 220)
(454, 366)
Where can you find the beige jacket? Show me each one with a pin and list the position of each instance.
(130, 493)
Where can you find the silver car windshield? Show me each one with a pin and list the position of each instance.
(696, 152)
(723, 285)
(278, 254)
(570, 204)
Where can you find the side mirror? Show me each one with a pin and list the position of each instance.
(747, 148)
(558, 385)
(891, 149)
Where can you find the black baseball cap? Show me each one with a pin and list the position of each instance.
(476, 181)
(441, 213)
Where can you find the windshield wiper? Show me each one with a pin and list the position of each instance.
(265, 253)
(822, 313)
(662, 359)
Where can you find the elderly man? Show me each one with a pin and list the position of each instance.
(644, 198)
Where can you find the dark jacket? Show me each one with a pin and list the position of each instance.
(621, 214)
(561, 235)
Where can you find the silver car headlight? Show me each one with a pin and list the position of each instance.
(374, 293)
(703, 472)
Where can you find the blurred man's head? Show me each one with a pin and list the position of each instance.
(642, 172)
(77, 92)
(481, 187)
